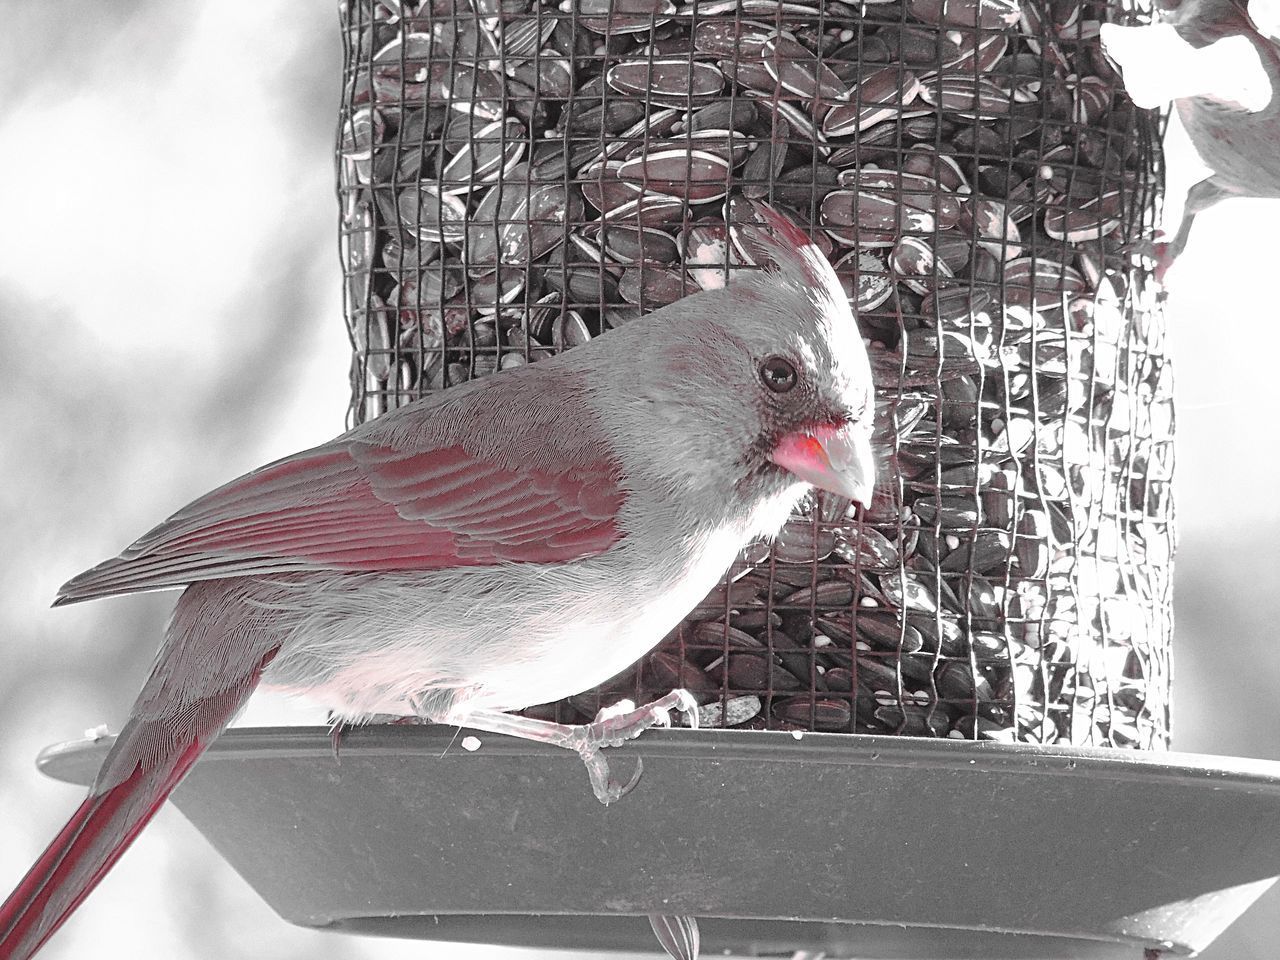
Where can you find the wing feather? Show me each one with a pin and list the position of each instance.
(362, 504)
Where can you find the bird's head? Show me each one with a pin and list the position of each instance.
(811, 379)
(766, 383)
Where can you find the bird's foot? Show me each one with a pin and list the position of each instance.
(1146, 247)
(1164, 255)
(339, 728)
(611, 727)
(603, 785)
(625, 721)
(1160, 251)
(615, 725)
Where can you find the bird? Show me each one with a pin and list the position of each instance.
(1222, 72)
(504, 543)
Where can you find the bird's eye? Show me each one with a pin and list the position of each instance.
(778, 374)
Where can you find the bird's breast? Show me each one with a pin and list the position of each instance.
(582, 638)
(503, 638)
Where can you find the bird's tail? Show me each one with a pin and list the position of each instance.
(187, 701)
(82, 853)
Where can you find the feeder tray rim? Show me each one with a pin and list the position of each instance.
(64, 760)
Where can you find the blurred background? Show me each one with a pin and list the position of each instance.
(170, 301)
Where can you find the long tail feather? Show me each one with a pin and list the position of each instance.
(197, 686)
(82, 853)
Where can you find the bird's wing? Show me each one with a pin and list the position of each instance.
(363, 503)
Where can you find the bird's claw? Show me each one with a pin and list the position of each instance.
(616, 724)
(1146, 247)
(603, 785)
(625, 721)
(1162, 252)
(688, 706)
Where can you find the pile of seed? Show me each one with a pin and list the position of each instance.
(517, 177)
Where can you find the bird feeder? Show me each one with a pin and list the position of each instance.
(933, 727)
(517, 179)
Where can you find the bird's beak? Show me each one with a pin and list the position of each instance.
(838, 459)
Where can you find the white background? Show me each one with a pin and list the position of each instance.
(169, 293)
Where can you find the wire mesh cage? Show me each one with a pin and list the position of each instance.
(517, 177)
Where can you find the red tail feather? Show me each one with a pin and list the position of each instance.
(107, 822)
(82, 853)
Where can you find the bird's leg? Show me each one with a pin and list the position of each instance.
(337, 727)
(611, 727)
(1200, 197)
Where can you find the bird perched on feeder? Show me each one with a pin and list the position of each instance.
(505, 543)
(1223, 74)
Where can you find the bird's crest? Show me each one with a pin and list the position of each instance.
(784, 252)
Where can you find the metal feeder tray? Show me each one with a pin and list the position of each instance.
(856, 846)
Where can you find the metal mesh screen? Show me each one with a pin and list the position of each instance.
(517, 177)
